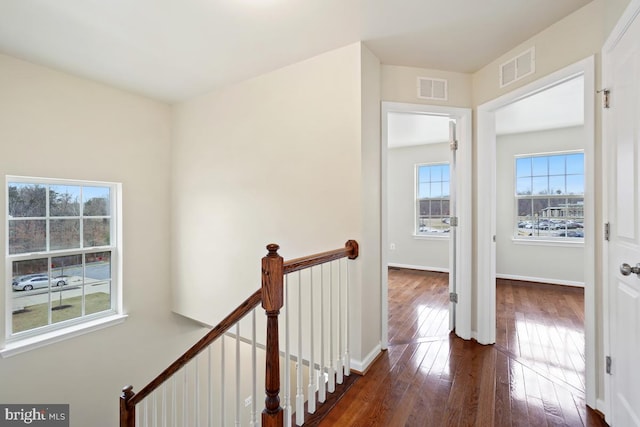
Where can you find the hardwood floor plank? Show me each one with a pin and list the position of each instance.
(532, 376)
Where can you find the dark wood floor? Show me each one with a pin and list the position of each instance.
(532, 376)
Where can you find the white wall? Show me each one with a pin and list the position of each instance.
(549, 263)
(279, 158)
(56, 125)
(426, 253)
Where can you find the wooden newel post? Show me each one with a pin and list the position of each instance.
(127, 410)
(272, 301)
(354, 249)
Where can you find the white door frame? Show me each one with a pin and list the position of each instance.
(486, 210)
(630, 13)
(464, 205)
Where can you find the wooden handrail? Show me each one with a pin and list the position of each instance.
(128, 399)
(350, 251)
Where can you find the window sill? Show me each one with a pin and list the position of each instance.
(434, 236)
(31, 343)
(577, 243)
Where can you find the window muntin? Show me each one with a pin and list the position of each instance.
(432, 199)
(61, 251)
(550, 196)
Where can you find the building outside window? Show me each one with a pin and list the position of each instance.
(432, 199)
(550, 196)
(61, 254)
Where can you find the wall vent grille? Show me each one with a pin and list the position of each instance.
(430, 88)
(518, 67)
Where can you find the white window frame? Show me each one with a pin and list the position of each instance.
(427, 234)
(14, 343)
(545, 239)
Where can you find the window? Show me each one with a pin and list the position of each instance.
(61, 254)
(432, 199)
(550, 196)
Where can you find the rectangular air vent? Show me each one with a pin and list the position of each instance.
(430, 88)
(518, 67)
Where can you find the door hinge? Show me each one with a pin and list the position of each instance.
(606, 98)
(453, 145)
(608, 364)
(453, 221)
(607, 231)
(453, 297)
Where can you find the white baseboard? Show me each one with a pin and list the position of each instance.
(362, 365)
(602, 406)
(419, 267)
(541, 280)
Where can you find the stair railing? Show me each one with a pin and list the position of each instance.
(273, 296)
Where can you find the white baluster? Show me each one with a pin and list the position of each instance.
(322, 385)
(164, 404)
(145, 414)
(287, 357)
(299, 390)
(347, 355)
(154, 409)
(222, 379)
(254, 370)
(185, 396)
(238, 374)
(174, 404)
(339, 370)
(197, 392)
(332, 373)
(311, 394)
(209, 389)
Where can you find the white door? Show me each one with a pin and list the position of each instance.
(453, 235)
(622, 145)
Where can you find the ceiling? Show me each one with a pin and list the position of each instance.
(175, 49)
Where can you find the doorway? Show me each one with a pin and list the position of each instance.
(422, 221)
(487, 207)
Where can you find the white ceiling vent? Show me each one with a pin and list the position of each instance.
(518, 67)
(430, 88)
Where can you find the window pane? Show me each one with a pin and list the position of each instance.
(27, 236)
(539, 205)
(540, 166)
(424, 174)
(436, 189)
(96, 232)
(557, 165)
(96, 201)
(445, 208)
(524, 208)
(446, 172)
(98, 266)
(424, 190)
(436, 208)
(64, 234)
(98, 282)
(540, 185)
(523, 186)
(575, 163)
(27, 200)
(66, 287)
(523, 167)
(556, 184)
(66, 269)
(445, 189)
(30, 297)
(575, 184)
(64, 200)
